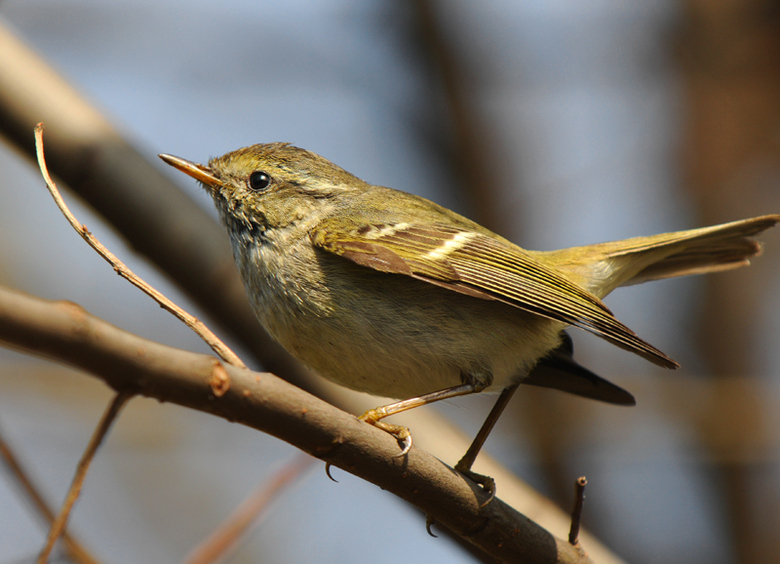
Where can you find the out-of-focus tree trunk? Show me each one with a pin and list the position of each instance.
(730, 54)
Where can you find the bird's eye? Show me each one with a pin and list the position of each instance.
(258, 180)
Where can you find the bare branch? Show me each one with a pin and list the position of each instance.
(73, 548)
(131, 364)
(229, 533)
(157, 219)
(224, 352)
(58, 525)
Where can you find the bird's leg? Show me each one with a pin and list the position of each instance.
(402, 434)
(464, 464)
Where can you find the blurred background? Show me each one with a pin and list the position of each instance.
(556, 123)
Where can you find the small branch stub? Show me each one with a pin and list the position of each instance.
(576, 513)
(219, 380)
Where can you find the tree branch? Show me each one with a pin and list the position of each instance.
(60, 522)
(73, 548)
(218, 546)
(65, 332)
(89, 155)
(222, 350)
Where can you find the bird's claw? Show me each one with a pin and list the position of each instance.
(401, 434)
(488, 484)
(430, 521)
(328, 466)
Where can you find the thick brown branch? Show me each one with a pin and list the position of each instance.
(128, 363)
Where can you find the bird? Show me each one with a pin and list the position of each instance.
(386, 292)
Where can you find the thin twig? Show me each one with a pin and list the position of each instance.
(58, 526)
(73, 547)
(225, 536)
(576, 513)
(220, 348)
(223, 539)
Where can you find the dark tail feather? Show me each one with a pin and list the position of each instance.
(559, 370)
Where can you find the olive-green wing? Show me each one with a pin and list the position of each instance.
(478, 265)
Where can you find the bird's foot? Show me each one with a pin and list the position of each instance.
(488, 484)
(401, 434)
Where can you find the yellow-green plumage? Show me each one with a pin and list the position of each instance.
(389, 293)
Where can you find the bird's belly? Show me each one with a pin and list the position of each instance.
(394, 336)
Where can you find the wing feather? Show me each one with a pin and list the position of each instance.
(476, 264)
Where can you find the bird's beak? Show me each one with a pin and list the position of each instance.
(199, 172)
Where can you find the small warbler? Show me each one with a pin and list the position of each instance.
(391, 294)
